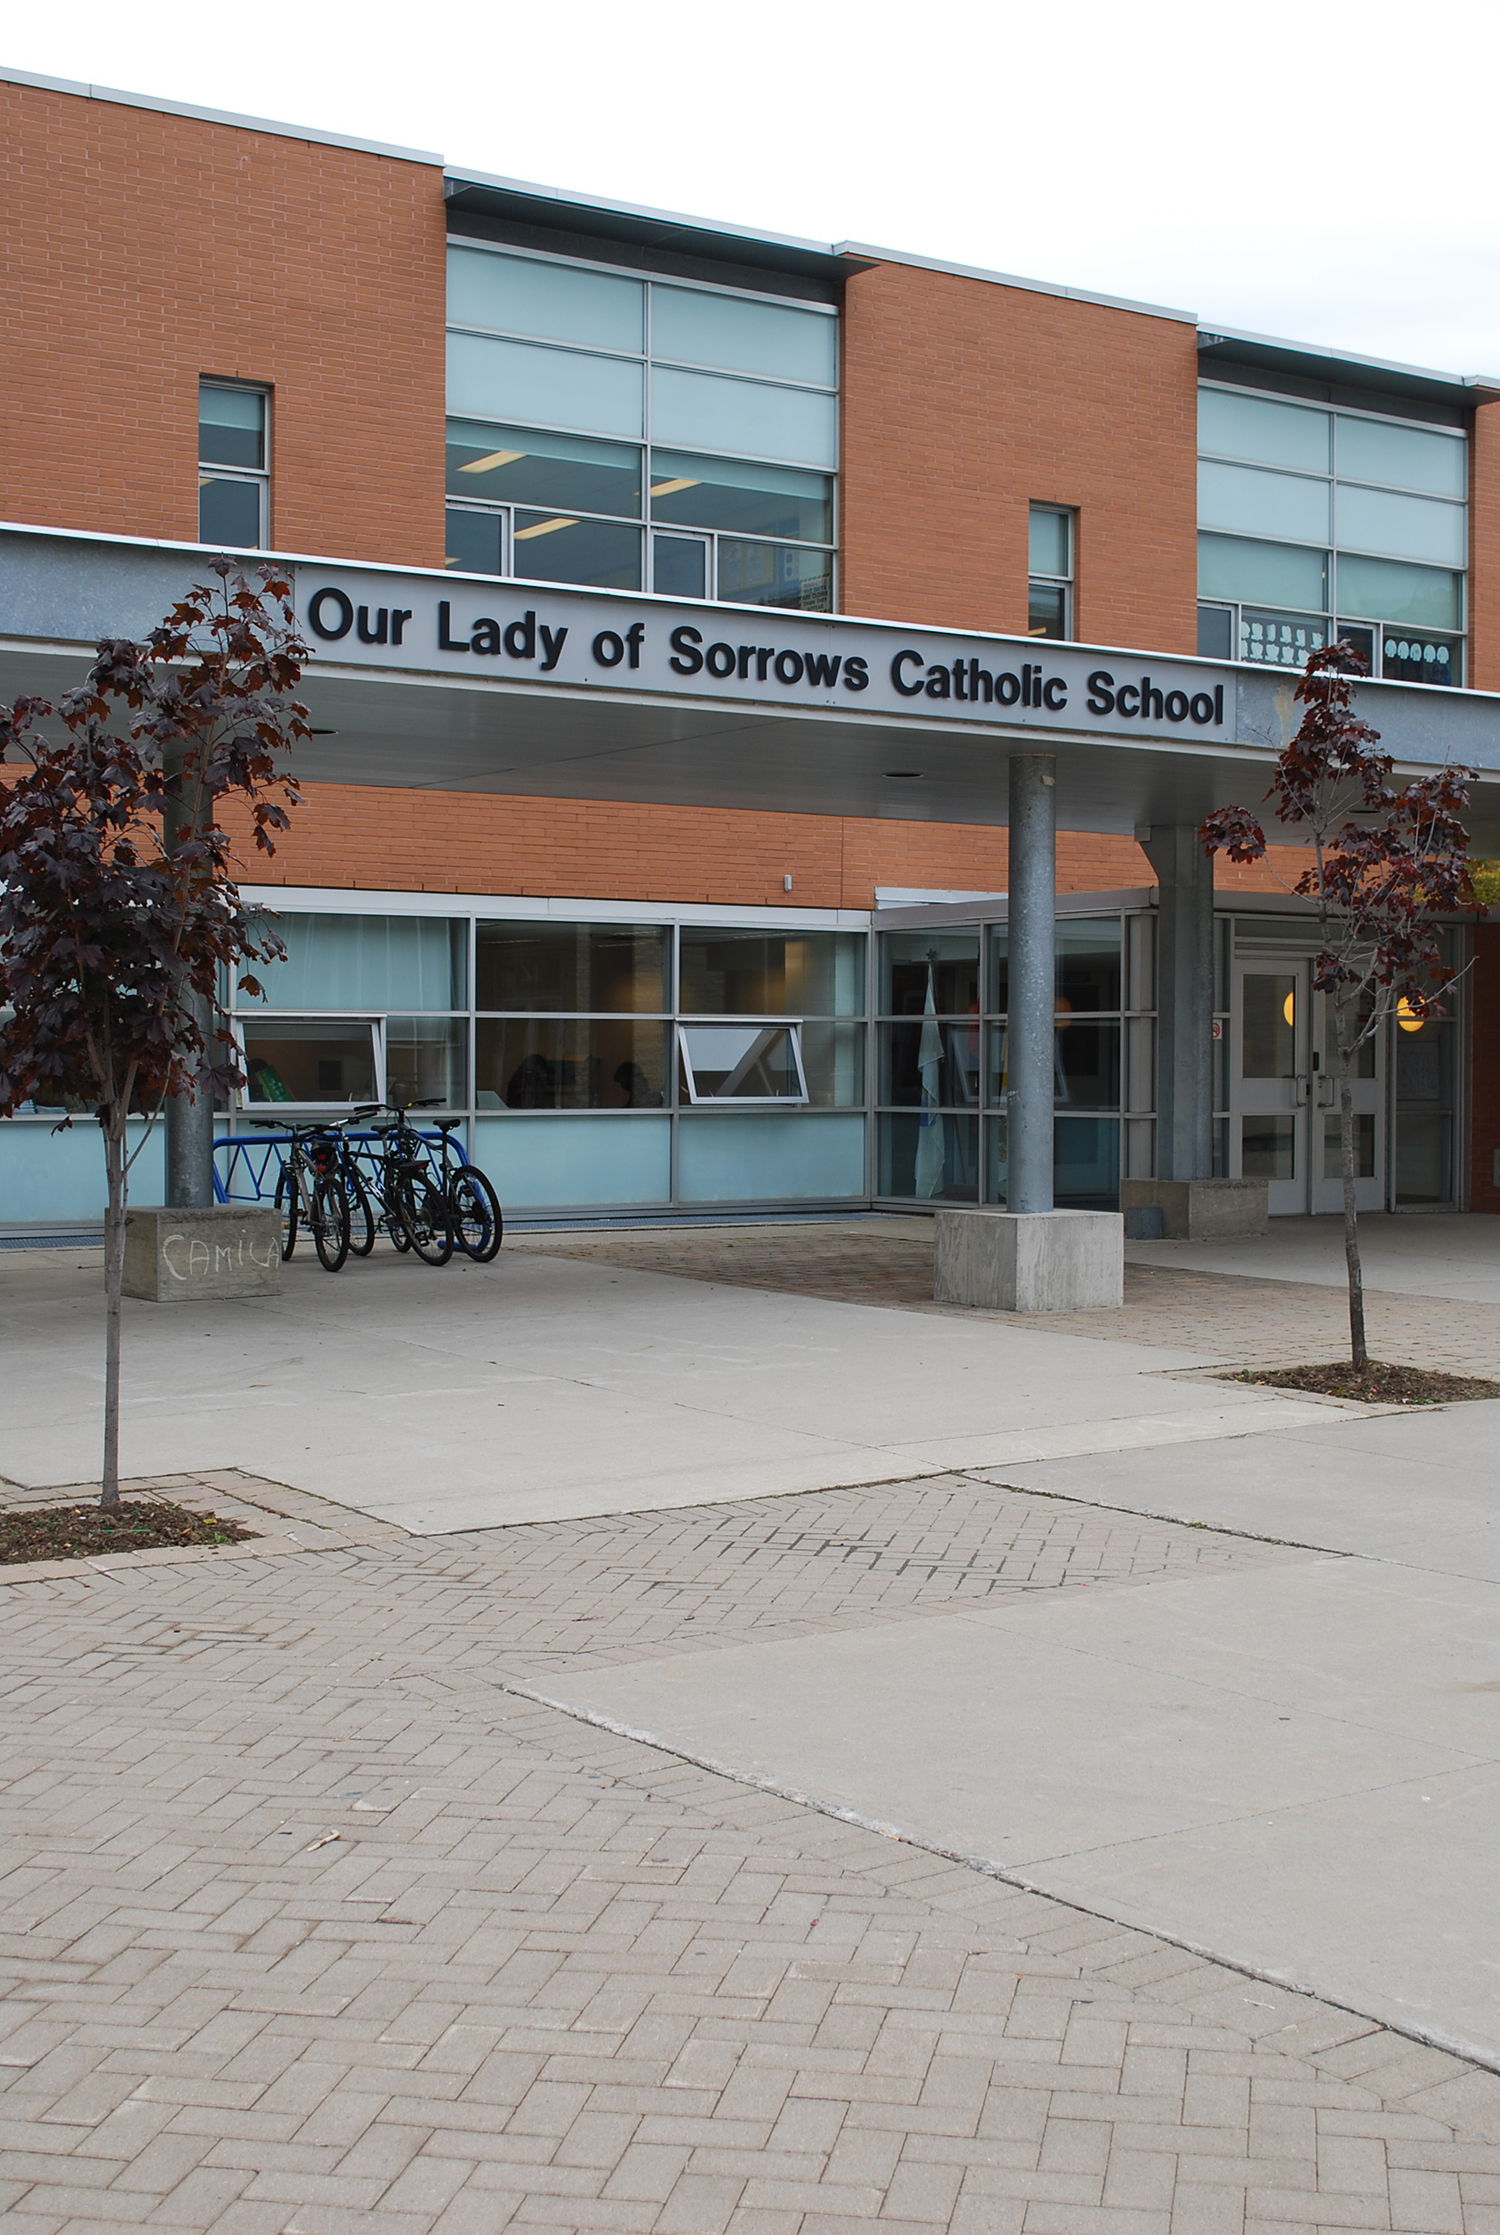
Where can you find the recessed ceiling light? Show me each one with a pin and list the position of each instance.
(905, 775)
(323, 733)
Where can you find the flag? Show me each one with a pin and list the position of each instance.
(931, 1147)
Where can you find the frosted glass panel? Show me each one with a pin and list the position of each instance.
(704, 412)
(366, 962)
(552, 301)
(46, 1175)
(563, 1161)
(1260, 503)
(1263, 573)
(769, 1156)
(1384, 590)
(1403, 456)
(555, 387)
(1273, 434)
(743, 336)
(1406, 527)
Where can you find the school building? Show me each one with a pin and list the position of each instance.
(736, 660)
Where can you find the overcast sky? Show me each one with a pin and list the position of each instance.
(1294, 167)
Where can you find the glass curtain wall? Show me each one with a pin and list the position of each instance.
(587, 1077)
(1317, 524)
(637, 434)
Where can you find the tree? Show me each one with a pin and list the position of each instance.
(1386, 865)
(119, 915)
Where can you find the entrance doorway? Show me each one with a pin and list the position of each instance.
(1284, 1092)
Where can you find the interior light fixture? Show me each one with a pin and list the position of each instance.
(1407, 1017)
(1289, 1008)
(670, 488)
(543, 527)
(494, 458)
(905, 775)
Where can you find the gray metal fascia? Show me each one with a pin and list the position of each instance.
(1462, 386)
(280, 131)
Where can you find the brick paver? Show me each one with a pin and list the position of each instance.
(1236, 1319)
(313, 1922)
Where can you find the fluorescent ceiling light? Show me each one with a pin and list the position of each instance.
(495, 458)
(670, 488)
(543, 527)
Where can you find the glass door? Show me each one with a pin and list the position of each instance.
(1368, 1083)
(1271, 1088)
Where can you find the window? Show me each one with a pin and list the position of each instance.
(742, 1062)
(585, 400)
(1050, 566)
(233, 482)
(1321, 525)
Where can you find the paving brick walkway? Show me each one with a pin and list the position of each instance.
(1241, 1320)
(313, 1922)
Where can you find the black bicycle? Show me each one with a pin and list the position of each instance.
(474, 1217)
(310, 1192)
(409, 1190)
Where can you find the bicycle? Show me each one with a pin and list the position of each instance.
(473, 1206)
(415, 1210)
(310, 1189)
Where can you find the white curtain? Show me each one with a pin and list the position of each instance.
(930, 1145)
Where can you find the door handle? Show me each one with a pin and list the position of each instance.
(1328, 1094)
(1301, 1092)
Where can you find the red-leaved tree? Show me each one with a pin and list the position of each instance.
(1387, 864)
(120, 918)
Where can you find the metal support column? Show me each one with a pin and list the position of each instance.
(1031, 1001)
(1184, 1002)
(189, 1124)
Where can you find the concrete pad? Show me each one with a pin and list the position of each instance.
(1440, 1253)
(1295, 1768)
(542, 1387)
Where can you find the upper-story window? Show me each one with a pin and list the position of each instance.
(1049, 605)
(233, 482)
(639, 434)
(1323, 525)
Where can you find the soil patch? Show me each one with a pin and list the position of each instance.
(82, 1532)
(1373, 1384)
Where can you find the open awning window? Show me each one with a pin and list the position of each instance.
(743, 1062)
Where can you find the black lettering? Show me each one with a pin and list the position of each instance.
(939, 684)
(609, 650)
(1055, 683)
(1101, 692)
(446, 641)
(856, 674)
(367, 635)
(789, 667)
(1177, 706)
(400, 615)
(687, 658)
(823, 672)
(1007, 688)
(764, 654)
(520, 637)
(960, 677)
(341, 605)
(1218, 702)
(1151, 701)
(1127, 691)
(553, 641)
(747, 654)
(485, 637)
(981, 683)
(1202, 708)
(721, 660)
(635, 637)
(900, 662)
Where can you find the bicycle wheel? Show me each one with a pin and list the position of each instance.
(474, 1208)
(423, 1211)
(328, 1216)
(287, 1210)
(361, 1214)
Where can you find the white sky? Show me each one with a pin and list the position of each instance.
(1296, 167)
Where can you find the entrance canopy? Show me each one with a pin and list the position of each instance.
(468, 684)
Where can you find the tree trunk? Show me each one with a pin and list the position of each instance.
(114, 1281)
(1357, 1349)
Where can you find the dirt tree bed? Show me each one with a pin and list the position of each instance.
(81, 1532)
(1374, 1384)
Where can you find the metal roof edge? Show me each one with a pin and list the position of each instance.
(852, 249)
(218, 116)
(1318, 359)
(462, 175)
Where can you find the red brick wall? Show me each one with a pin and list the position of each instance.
(141, 250)
(1484, 1097)
(964, 403)
(1484, 550)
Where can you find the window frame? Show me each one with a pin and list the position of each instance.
(259, 477)
(1045, 581)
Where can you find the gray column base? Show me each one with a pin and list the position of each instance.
(1197, 1210)
(189, 1256)
(1030, 1261)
